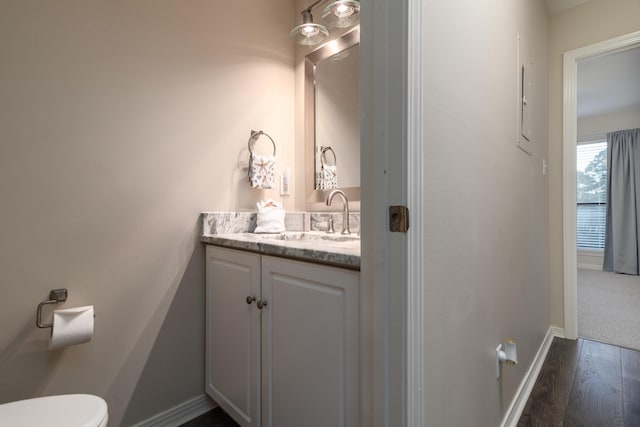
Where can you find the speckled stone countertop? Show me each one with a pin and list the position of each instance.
(235, 230)
(312, 246)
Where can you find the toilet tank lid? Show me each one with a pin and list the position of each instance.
(67, 410)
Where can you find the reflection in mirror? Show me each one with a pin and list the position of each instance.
(337, 116)
(327, 178)
(332, 118)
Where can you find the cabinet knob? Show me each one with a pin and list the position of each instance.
(261, 304)
(250, 299)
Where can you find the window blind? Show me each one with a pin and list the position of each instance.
(591, 195)
(591, 222)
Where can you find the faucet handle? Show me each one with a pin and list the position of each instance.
(330, 229)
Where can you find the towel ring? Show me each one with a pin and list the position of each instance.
(254, 137)
(323, 156)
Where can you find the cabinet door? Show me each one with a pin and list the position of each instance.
(309, 345)
(233, 333)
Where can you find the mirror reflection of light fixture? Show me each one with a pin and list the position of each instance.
(337, 14)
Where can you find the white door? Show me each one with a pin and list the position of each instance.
(233, 333)
(309, 345)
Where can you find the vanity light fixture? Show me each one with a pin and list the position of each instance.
(337, 14)
(309, 33)
(341, 13)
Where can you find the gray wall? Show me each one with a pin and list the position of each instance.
(486, 206)
(119, 123)
(592, 22)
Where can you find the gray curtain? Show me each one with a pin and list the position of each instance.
(622, 235)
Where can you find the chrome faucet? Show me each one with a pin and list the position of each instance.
(345, 209)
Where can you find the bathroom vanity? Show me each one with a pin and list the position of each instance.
(282, 328)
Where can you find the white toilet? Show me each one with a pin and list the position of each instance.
(67, 410)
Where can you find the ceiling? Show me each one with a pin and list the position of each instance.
(609, 83)
(556, 6)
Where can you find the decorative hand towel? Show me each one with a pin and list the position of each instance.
(262, 171)
(261, 167)
(329, 179)
(270, 217)
(328, 171)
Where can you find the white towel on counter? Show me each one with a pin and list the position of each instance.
(262, 171)
(270, 217)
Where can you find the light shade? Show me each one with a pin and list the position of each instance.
(309, 33)
(341, 13)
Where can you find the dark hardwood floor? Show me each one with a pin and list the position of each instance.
(585, 383)
(214, 418)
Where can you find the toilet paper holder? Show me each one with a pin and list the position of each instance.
(56, 296)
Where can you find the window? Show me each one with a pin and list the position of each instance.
(591, 194)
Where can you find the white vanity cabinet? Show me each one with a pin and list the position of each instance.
(292, 363)
(232, 361)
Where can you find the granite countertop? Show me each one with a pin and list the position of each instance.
(313, 246)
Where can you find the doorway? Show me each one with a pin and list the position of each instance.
(570, 138)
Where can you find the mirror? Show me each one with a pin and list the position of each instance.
(332, 118)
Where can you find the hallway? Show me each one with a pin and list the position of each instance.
(585, 383)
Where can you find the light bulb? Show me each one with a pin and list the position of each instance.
(309, 30)
(308, 33)
(343, 10)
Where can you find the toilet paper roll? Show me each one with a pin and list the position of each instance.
(71, 326)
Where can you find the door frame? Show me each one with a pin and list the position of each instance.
(391, 174)
(415, 249)
(569, 143)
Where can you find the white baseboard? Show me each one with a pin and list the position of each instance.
(519, 401)
(590, 267)
(557, 332)
(180, 414)
(590, 259)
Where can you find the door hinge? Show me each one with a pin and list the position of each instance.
(398, 219)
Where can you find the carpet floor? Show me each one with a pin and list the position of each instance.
(609, 308)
